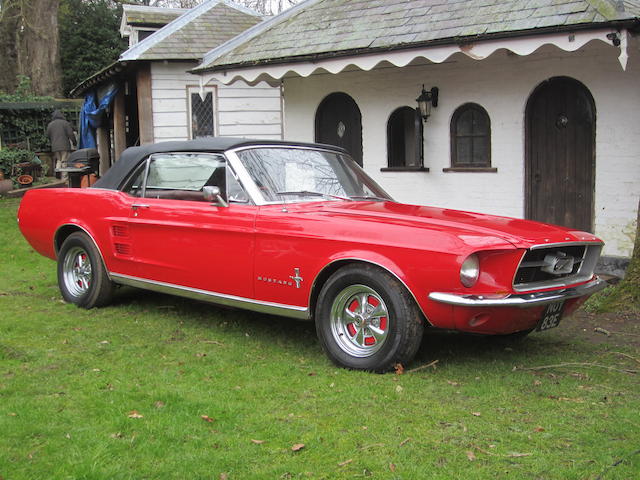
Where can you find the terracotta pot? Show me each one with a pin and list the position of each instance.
(5, 186)
(25, 181)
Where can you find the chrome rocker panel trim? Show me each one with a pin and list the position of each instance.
(300, 313)
(525, 300)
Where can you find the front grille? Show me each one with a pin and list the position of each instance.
(556, 265)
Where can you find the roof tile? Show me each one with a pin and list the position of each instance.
(191, 40)
(328, 26)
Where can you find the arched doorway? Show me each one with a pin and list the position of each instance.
(560, 129)
(339, 122)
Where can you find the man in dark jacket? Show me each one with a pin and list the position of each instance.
(61, 137)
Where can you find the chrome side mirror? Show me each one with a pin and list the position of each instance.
(212, 194)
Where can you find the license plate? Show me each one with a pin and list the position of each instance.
(551, 316)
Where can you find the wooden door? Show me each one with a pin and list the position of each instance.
(339, 122)
(560, 154)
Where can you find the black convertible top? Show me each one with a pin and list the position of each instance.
(133, 156)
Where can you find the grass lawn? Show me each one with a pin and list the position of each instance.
(156, 387)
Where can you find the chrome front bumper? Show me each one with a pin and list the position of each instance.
(520, 300)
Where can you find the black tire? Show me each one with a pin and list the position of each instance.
(82, 277)
(367, 320)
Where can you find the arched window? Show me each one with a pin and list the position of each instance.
(404, 139)
(470, 137)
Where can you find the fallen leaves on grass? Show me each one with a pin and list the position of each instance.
(398, 368)
(297, 447)
(135, 414)
(159, 404)
(345, 463)
(257, 442)
(206, 418)
(476, 414)
(471, 456)
(392, 467)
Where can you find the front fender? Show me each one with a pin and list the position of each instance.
(341, 259)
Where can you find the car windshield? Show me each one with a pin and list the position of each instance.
(290, 174)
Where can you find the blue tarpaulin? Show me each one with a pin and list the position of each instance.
(92, 115)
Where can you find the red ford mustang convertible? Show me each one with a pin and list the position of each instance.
(299, 230)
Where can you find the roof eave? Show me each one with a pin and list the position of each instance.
(109, 72)
(119, 68)
(633, 25)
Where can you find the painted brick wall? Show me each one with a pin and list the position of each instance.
(501, 84)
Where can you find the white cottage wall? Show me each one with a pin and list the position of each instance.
(240, 110)
(169, 83)
(250, 111)
(502, 84)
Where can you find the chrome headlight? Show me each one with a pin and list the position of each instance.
(470, 270)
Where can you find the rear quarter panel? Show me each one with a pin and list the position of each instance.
(43, 212)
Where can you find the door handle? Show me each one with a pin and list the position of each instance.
(137, 206)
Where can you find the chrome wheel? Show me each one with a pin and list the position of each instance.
(366, 319)
(76, 271)
(82, 276)
(359, 321)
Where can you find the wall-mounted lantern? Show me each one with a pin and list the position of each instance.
(426, 100)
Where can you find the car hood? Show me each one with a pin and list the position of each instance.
(473, 228)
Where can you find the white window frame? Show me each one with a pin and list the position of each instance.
(214, 106)
(135, 35)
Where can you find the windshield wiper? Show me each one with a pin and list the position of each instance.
(368, 197)
(309, 193)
